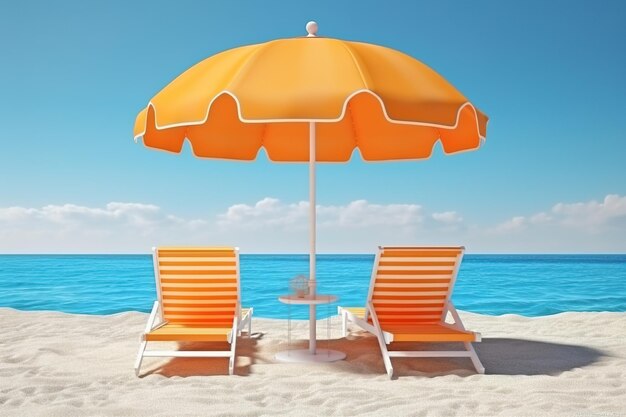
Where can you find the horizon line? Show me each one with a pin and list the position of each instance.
(300, 254)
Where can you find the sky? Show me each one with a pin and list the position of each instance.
(551, 177)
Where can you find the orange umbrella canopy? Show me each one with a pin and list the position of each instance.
(385, 103)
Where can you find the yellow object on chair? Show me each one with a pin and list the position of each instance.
(409, 300)
(199, 300)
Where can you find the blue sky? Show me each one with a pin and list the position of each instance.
(550, 178)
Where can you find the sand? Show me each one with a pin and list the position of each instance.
(56, 364)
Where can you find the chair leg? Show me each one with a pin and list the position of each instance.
(385, 353)
(142, 348)
(231, 365)
(246, 321)
(386, 358)
(474, 357)
(233, 347)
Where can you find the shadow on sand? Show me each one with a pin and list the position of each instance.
(500, 356)
(247, 348)
(504, 356)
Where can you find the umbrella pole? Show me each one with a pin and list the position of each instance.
(312, 232)
(311, 354)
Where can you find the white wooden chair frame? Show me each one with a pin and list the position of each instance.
(385, 338)
(153, 324)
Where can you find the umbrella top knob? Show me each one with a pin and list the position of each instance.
(311, 28)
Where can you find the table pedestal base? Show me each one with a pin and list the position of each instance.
(305, 355)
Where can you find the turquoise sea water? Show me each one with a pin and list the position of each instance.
(531, 285)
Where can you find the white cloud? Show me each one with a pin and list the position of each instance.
(270, 225)
(540, 218)
(268, 212)
(15, 213)
(361, 213)
(271, 213)
(592, 215)
(358, 226)
(116, 227)
(71, 212)
(589, 226)
(514, 224)
(447, 217)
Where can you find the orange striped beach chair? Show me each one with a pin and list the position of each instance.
(199, 300)
(409, 301)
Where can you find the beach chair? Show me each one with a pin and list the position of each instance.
(409, 301)
(198, 301)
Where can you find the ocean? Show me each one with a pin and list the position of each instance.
(530, 285)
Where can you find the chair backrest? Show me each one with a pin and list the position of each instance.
(412, 285)
(198, 286)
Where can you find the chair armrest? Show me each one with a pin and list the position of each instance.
(383, 335)
(150, 324)
(455, 316)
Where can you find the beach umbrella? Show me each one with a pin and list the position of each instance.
(311, 99)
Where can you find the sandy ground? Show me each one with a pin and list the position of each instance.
(55, 364)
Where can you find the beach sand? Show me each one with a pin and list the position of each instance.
(56, 364)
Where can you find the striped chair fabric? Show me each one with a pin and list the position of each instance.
(412, 285)
(198, 286)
